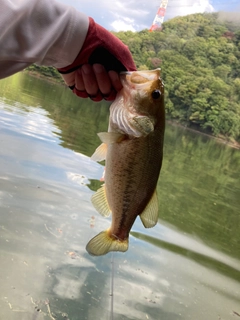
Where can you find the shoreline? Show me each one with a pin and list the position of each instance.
(43, 77)
(233, 144)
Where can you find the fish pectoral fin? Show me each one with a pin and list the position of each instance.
(149, 216)
(100, 153)
(143, 124)
(104, 243)
(99, 201)
(111, 137)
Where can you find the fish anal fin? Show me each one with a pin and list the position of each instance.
(99, 201)
(100, 153)
(149, 216)
(103, 243)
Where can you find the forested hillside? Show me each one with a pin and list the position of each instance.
(200, 60)
(199, 56)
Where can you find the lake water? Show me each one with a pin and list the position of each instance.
(186, 267)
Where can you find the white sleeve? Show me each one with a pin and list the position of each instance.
(39, 31)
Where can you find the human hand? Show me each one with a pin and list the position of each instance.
(94, 81)
(95, 71)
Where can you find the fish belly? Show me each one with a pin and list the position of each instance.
(132, 170)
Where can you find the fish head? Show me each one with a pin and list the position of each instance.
(139, 106)
(143, 91)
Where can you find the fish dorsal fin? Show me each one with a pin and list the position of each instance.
(100, 153)
(99, 200)
(104, 243)
(111, 137)
(149, 217)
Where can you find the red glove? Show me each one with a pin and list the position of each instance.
(100, 47)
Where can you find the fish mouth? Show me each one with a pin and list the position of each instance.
(139, 77)
(141, 71)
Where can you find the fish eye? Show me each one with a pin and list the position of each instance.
(156, 94)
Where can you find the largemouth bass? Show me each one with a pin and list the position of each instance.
(133, 150)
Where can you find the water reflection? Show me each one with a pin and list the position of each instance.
(187, 267)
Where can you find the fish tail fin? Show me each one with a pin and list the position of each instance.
(104, 243)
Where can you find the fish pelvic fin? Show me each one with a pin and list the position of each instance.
(107, 138)
(149, 216)
(100, 153)
(103, 243)
(111, 137)
(100, 203)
